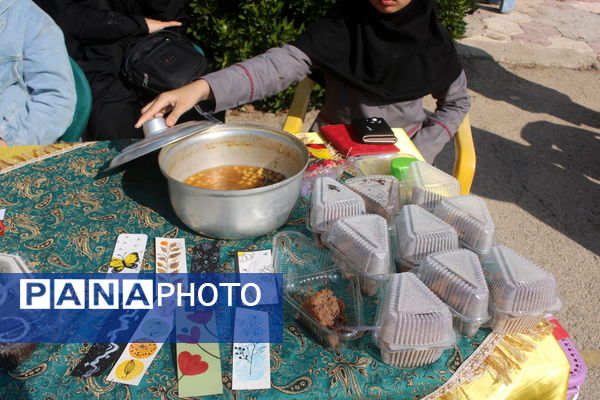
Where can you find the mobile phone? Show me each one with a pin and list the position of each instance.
(373, 130)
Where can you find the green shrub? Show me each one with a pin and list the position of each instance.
(451, 13)
(232, 31)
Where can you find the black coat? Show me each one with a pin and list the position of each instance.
(98, 31)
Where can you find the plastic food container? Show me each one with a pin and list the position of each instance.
(376, 164)
(309, 269)
(330, 201)
(470, 217)
(457, 279)
(310, 177)
(380, 193)
(419, 233)
(521, 292)
(13, 325)
(414, 327)
(426, 185)
(360, 244)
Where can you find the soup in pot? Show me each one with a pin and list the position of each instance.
(234, 177)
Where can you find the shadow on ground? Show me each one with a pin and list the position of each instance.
(492, 80)
(555, 175)
(555, 178)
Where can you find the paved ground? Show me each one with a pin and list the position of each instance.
(533, 76)
(539, 32)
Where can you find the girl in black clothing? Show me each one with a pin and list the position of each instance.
(97, 33)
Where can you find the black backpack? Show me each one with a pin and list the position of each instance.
(162, 61)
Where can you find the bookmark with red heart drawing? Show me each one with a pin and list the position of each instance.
(199, 370)
(156, 324)
(198, 363)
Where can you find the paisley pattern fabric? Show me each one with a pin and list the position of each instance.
(63, 215)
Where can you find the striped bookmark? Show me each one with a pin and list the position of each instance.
(127, 257)
(251, 367)
(199, 371)
(157, 324)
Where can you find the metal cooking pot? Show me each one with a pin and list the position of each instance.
(234, 214)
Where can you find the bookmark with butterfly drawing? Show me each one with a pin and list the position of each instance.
(127, 257)
(156, 325)
(199, 364)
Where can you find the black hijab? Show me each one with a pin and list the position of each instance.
(401, 56)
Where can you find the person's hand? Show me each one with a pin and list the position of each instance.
(175, 102)
(155, 25)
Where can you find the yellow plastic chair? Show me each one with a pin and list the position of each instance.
(464, 148)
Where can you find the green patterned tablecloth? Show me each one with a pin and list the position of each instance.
(63, 215)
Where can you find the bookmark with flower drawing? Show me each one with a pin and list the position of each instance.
(251, 367)
(198, 363)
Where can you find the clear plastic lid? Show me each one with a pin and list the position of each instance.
(362, 242)
(456, 277)
(410, 316)
(419, 233)
(374, 164)
(427, 185)
(470, 217)
(13, 263)
(330, 201)
(517, 285)
(380, 193)
(308, 270)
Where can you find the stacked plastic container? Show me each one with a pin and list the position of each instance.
(417, 233)
(308, 269)
(331, 200)
(426, 185)
(380, 193)
(360, 244)
(521, 292)
(457, 279)
(470, 217)
(414, 327)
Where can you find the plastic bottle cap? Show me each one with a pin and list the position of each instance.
(400, 166)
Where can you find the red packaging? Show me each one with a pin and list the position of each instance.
(341, 138)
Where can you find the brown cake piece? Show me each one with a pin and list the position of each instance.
(327, 309)
(12, 354)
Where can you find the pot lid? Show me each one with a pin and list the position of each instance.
(158, 135)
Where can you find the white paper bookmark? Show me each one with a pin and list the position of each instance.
(252, 361)
(260, 264)
(128, 253)
(157, 323)
(255, 261)
(127, 257)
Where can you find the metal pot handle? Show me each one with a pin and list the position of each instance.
(154, 126)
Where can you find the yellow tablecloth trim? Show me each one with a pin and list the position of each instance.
(513, 367)
(13, 157)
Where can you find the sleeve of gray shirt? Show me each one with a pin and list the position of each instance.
(258, 77)
(451, 107)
